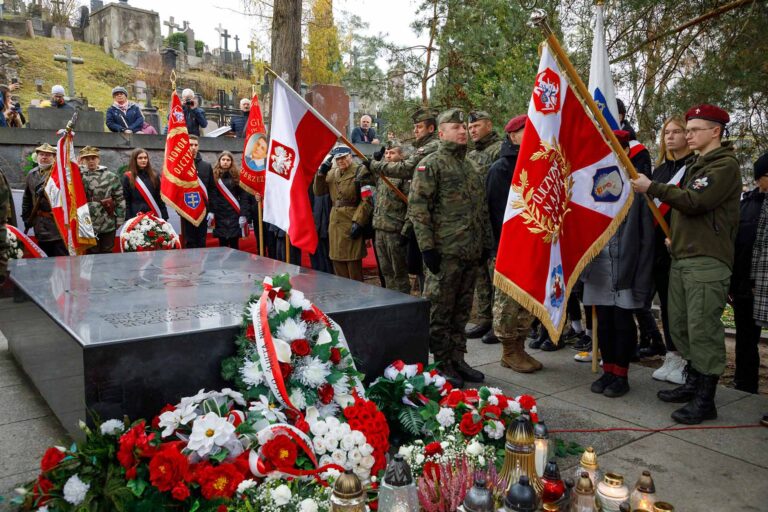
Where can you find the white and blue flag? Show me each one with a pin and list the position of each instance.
(600, 80)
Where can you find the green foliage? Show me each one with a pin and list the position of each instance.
(174, 39)
(564, 449)
(322, 62)
(411, 420)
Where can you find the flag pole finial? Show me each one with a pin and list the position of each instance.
(173, 79)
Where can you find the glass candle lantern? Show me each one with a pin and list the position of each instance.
(519, 454)
(398, 491)
(644, 494)
(612, 492)
(479, 498)
(348, 494)
(584, 495)
(554, 488)
(521, 497)
(541, 444)
(588, 463)
(661, 506)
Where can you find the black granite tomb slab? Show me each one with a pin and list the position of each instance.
(127, 333)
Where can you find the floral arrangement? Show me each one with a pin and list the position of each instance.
(15, 250)
(147, 232)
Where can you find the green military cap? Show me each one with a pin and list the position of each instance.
(424, 114)
(394, 143)
(478, 115)
(89, 151)
(452, 115)
(46, 148)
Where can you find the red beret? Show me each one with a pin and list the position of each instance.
(515, 124)
(623, 136)
(709, 113)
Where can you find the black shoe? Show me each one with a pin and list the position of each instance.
(583, 344)
(654, 348)
(645, 342)
(451, 375)
(534, 333)
(764, 421)
(549, 346)
(478, 331)
(684, 393)
(543, 336)
(467, 372)
(600, 384)
(702, 407)
(490, 338)
(619, 387)
(570, 335)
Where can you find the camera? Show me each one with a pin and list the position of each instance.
(189, 102)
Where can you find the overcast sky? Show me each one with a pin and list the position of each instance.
(392, 18)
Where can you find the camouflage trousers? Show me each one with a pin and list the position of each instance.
(510, 319)
(450, 296)
(484, 293)
(392, 261)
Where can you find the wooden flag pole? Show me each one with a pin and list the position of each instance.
(539, 18)
(386, 181)
(594, 339)
(287, 248)
(261, 227)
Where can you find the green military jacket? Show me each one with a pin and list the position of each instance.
(485, 153)
(447, 204)
(705, 207)
(389, 210)
(99, 185)
(404, 168)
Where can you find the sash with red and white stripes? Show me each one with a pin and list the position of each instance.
(203, 188)
(147, 195)
(32, 248)
(634, 148)
(674, 180)
(228, 195)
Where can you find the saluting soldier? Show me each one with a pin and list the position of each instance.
(106, 202)
(487, 149)
(449, 213)
(35, 207)
(349, 187)
(388, 220)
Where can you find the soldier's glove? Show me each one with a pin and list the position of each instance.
(378, 155)
(431, 260)
(367, 164)
(109, 206)
(325, 166)
(356, 231)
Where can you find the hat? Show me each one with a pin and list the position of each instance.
(118, 89)
(88, 151)
(620, 107)
(393, 143)
(708, 113)
(424, 114)
(340, 151)
(623, 136)
(46, 148)
(452, 115)
(478, 115)
(517, 123)
(57, 89)
(761, 166)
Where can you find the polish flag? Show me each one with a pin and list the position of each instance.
(300, 140)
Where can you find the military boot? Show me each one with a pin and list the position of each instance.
(684, 393)
(448, 370)
(702, 407)
(514, 357)
(478, 330)
(468, 373)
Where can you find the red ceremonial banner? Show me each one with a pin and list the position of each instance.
(180, 187)
(254, 152)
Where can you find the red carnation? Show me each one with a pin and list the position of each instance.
(503, 402)
(335, 355)
(492, 411)
(468, 426)
(526, 402)
(167, 468)
(300, 348)
(219, 481)
(286, 369)
(534, 417)
(452, 399)
(51, 459)
(156, 419)
(325, 393)
(41, 490)
(250, 332)
(180, 491)
(280, 451)
(434, 448)
(471, 396)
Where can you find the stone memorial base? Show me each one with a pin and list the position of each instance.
(124, 334)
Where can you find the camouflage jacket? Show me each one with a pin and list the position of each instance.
(404, 168)
(447, 204)
(389, 210)
(486, 152)
(99, 185)
(5, 203)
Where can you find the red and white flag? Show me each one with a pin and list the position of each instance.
(300, 140)
(254, 152)
(568, 196)
(66, 194)
(180, 187)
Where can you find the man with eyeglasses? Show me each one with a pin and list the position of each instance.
(705, 218)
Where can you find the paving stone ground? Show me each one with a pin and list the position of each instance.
(710, 470)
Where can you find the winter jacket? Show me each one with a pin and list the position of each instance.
(760, 268)
(205, 174)
(119, 121)
(497, 187)
(358, 135)
(43, 223)
(663, 174)
(749, 214)
(134, 201)
(195, 118)
(226, 219)
(238, 124)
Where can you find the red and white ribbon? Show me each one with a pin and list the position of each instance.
(203, 189)
(228, 195)
(675, 180)
(147, 195)
(32, 248)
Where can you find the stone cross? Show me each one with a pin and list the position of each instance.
(70, 60)
(226, 37)
(171, 24)
(237, 39)
(220, 30)
(185, 27)
(57, 5)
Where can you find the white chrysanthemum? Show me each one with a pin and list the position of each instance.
(112, 427)
(341, 386)
(446, 417)
(281, 495)
(251, 373)
(493, 400)
(308, 505)
(298, 300)
(495, 391)
(298, 399)
(494, 429)
(328, 410)
(75, 490)
(292, 330)
(313, 372)
(513, 407)
(209, 432)
(245, 485)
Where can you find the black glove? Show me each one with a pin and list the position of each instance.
(325, 166)
(378, 155)
(356, 231)
(431, 260)
(367, 164)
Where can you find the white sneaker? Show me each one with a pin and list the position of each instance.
(670, 362)
(583, 357)
(676, 375)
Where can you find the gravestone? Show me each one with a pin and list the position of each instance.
(63, 33)
(55, 119)
(170, 59)
(131, 332)
(37, 25)
(125, 32)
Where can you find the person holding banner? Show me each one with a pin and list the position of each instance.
(141, 187)
(194, 236)
(231, 205)
(36, 208)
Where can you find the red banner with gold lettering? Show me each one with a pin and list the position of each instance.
(254, 152)
(180, 187)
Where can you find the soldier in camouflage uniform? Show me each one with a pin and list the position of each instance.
(487, 149)
(449, 213)
(35, 207)
(388, 220)
(106, 202)
(5, 215)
